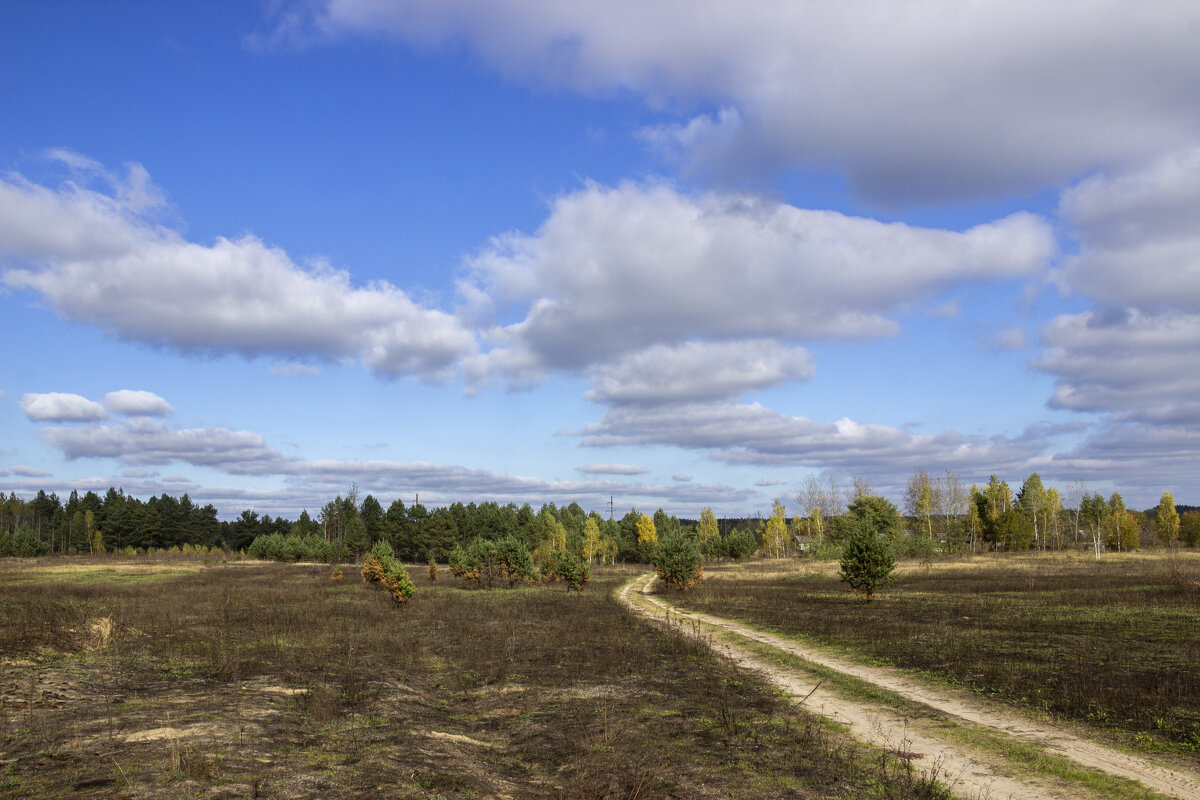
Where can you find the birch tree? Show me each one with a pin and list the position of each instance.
(591, 540)
(1076, 492)
(707, 530)
(775, 534)
(820, 502)
(918, 499)
(860, 487)
(1166, 521)
(647, 537)
(1032, 501)
(1054, 509)
(1122, 527)
(1093, 513)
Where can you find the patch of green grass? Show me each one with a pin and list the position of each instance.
(1034, 759)
(92, 575)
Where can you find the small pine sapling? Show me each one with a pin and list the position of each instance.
(372, 569)
(396, 581)
(381, 566)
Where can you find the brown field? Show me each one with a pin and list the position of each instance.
(1113, 644)
(189, 679)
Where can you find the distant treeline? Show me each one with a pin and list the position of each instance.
(346, 525)
(992, 518)
(86, 523)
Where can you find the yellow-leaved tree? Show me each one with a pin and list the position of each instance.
(591, 540)
(647, 537)
(775, 532)
(707, 530)
(1166, 522)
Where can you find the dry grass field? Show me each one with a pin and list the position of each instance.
(1113, 644)
(184, 679)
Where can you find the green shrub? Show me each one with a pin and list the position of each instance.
(916, 545)
(571, 571)
(741, 544)
(339, 553)
(737, 545)
(825, 550)
(25, 543)
(292, 547)
(382, 550)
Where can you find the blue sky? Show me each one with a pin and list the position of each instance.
(677, 253)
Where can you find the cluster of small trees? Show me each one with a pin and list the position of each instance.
(506, 562)
(494, 562)
(294, 547)
(943, 515)
(22, 542)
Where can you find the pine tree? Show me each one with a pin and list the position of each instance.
(867, 561)
(678, 561)
(92, 533)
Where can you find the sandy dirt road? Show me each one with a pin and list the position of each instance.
(883, 727)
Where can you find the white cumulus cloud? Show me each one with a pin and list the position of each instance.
(614, 271)
(699, 371)
(1137, 355)
(749, 433)
(1131, 364)
(136, 403)
(61, 407)
(1139, 244)
(916, 100)
(94, 257)
(142, 441)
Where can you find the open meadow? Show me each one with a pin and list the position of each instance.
(185, 677)
(1112, 644)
